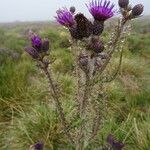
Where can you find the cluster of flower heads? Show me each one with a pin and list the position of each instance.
(79, 26)
(38, 46)
(128, 12)
(101, 10)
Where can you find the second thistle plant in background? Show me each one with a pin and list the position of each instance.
(91, 55)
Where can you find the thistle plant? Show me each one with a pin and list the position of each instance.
(91, 58)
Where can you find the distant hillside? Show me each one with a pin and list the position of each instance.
(144, 20)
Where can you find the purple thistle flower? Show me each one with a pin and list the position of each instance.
(37, 46)
(38, 146)
(101, 10)
(116, 145)
(65, 17)
(36, 41)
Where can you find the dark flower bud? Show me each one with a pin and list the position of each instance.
(83, 26)
(83, 62)
(98, 27)
(45, 45)
(137, 10)
(38, 146)
(83, 59)
(32, 51)
(98, 63)
(110, 139)
(116, 145)
(72, 9)
(96, 45)
(74, 33)
(123, 3)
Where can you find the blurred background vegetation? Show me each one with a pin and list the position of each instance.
(26, 112)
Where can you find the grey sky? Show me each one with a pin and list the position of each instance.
(32, 10)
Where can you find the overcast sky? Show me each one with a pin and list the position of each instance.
(36, 10)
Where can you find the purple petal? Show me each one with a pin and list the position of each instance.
(36, 41)
(101, 10)
(64, 17)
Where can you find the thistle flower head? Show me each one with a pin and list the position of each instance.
(38, 46)
(32, 52)
(72, 9)
(116, 145)
(96, 45)
(137, 10)
(37, 146)
(101, 10)
(83, 62)
(123, 3)
(65, 17)
(98, 27)
(83, 25)
(36, 41)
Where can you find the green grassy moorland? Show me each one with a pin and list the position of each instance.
(26, 112)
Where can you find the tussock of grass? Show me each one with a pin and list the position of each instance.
(40, 124)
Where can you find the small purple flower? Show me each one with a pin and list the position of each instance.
(38, 46)
(38, 146)
(36, 41)
(116, 145)
(65, 17)
(101, 10)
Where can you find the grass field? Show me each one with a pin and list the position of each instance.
(26, 112)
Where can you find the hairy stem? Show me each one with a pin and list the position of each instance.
(114, 43)
(78, 75)
(58, 103)
(80, 95)
(97, 118)
(84, 102)
(96, 124)
(113, 77)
